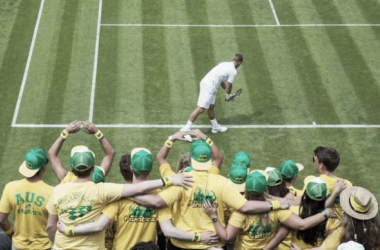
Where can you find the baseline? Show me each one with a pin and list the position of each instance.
(241, 25)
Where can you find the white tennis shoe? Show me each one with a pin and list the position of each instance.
(218, 128)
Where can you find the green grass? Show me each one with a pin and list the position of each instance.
(150, 75)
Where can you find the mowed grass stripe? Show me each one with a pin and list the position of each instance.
(12, 69)
(355, 65)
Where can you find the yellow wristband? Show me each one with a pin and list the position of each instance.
(64, 134)
(196, 237)
(168, 181)
(69, 230)
(276, 205)
(209, 142)
(9, 232)
(99, 135)
(169, 144)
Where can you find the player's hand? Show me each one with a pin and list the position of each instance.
(197, 134)
(284, 203)
(209, 238)
(73, 127)
(330, 213)
(179, 136)
(340, 185)
(89, 128)
(61, 227)
(209, 209)
(183, 180)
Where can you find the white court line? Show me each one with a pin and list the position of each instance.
(93, 87)
(248, 126)
(25, 77)
(274, 12)
(241, 25)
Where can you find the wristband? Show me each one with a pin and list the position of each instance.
(99, 135)
(169, 143)
(9, 232)
(196, 237)
(69, 231)
(276, 205)
(209, 142)
(270, 206)
(324, 214)
(167, 181)
(64, 134)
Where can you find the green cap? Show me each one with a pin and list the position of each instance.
(316, 189)
(275, 177)
(98, 175)
(289, 169)
(201, 157)
(35, 159)
(256, 182)
(142, 160)
(238, 174)
(242, 158)
(82, 161)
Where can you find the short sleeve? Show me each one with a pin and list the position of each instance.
(109, 192)
(111, 210)
(166, 170)
(231, 197)
(165, 214)
(171, 195)
(283, 215)
(51, 206)
(231, 77)
(5, 205)
(237, 219)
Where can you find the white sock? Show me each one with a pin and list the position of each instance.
(214, 123)
(189, 124)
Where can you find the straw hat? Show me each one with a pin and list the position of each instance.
(359, 203)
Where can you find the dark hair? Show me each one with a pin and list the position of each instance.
(184, 162)
(238, 58)
(367, 231)
(82, 174)
(125, 167)
(279, 191)
(146, 246)
(328, 157)
(316, 234)
(287, 180)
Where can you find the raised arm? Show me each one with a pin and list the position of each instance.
(226, 234)
(172, 232)
(88, 228)
(297, 223)
(165, 149)
(108, 150)
(56, 164)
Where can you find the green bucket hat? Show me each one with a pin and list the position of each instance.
(201, 156)
(141, 160)
(35, 159)
(82, 161)
(289, 169)
(275, 177)
(256, 182)
(238, 176)
(98, 175)
(242, 158)
(316, 189)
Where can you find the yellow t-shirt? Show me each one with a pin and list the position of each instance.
(167, 171)
(80, 203)
(134, 223)
(295, 191)
(252, 234)
(215, 188)
(331, 225)
(330, 183)
(28, 201)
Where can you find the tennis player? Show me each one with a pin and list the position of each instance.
(224, 75)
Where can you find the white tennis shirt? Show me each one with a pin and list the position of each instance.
(222, 72)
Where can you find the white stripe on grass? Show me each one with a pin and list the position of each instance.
(248, 126)
(241, 25)
(26, 71)
(94, 72)
(274, 12)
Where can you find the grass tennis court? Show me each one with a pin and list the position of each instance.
(134, 68)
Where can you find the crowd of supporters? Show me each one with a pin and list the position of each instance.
(193, 207)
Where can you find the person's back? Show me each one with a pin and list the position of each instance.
(27, 199)
(214, 188)
(224, 71)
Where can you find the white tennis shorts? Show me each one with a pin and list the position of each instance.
(206, 95)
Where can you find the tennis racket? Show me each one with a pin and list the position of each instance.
(236, 95)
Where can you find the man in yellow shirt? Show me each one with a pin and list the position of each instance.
(27, 199)
(326, 160)
(100, 172)
(82, 202)
(214, 188)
